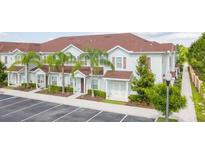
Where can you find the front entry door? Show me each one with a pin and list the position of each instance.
(82, 85)
(40, 80)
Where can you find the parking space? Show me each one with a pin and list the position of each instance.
(16, 109)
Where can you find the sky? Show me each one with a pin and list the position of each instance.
(185, 38)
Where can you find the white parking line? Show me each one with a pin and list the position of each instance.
(13, 103)
(41, 112)
(66, 114)
(22, 109)
(7, 98)
(123, 118)
(94, 116)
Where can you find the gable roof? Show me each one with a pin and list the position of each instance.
(118, 74)
(105, 42)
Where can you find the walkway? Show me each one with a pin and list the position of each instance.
(123, 109)
(188, 114)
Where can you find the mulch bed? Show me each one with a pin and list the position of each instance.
(54, 94)
(90, 98)
(99, 99)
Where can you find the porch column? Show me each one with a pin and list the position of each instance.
(173, 62)
(18, 78)
(73, 85)
(84, 86)
(8, 78)
(36, 81)
(168, 63)
(106, 89)
(127, 89)
(45, 80)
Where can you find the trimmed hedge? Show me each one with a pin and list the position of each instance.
(30, 85)
(55, 89)
(98, 93)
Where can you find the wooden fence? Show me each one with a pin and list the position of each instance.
(195, 79)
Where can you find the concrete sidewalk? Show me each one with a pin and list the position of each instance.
(188, 114)
(123, 109)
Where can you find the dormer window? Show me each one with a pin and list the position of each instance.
(118, 62)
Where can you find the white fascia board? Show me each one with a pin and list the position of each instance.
(118, 46)
(115, 79)
(12, 52)
(71, 45)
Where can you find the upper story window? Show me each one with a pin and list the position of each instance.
(17, 58)
(120, 62)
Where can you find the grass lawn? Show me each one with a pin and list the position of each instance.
(199, 104)
(114, 102)
(160, 119)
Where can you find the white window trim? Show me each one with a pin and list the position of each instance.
(122, 57)
(54, 76)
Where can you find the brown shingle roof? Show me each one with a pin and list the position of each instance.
(118, 74)
(105, 42)
(68, 69)
(15, 68)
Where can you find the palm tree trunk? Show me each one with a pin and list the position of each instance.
(63, 82)
(91, 79)
(26, 75)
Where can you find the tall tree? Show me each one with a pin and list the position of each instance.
(196, 56)
(144, 80)
(95, 58)
(59, 60)
(182, 53)
(50, 62)
(27, 59)
(3, 75)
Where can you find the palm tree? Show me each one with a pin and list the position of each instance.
(59, 60)
(30, 58)
(95, 58)
(50, 62)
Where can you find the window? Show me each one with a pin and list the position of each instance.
(95, 84)
(54, 80)
(119, 62)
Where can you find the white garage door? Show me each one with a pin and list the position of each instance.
(118, 89)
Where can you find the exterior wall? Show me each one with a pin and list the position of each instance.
(132, 59)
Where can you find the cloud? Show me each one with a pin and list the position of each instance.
(185, 38)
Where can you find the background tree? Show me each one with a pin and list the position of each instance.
(30, 58)
(3, 75)
(182, 53)
(144, 80)
(59, 60)
(157, 96)
(196, 56)
(95, 58)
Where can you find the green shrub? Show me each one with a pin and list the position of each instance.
(157, 96)
(134, 98)
(30, 85)
(69, 89)
(3, 84)
(55, 89)
(98, 93)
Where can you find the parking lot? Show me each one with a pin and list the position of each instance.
(17, 109)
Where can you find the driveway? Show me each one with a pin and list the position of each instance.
(20, 109)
